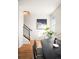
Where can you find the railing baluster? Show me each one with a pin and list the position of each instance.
(26, 32)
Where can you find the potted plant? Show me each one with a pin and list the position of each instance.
(48, 32)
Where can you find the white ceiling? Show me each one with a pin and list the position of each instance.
(39, 6)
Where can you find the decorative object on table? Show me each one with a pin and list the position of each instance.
(55, 41)
(55, 45)
(41, 24)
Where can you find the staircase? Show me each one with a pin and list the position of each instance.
(26, 32)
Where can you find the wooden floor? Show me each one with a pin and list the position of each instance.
(26, 51)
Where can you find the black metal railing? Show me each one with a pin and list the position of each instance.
(26, 32)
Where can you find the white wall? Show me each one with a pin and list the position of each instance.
(20, 25)
(57, 15)
(31, 23)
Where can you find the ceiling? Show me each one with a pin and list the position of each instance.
(39, 6)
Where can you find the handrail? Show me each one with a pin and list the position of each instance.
(26, 32)
(26, 27)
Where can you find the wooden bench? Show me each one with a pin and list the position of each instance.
(39, 49)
